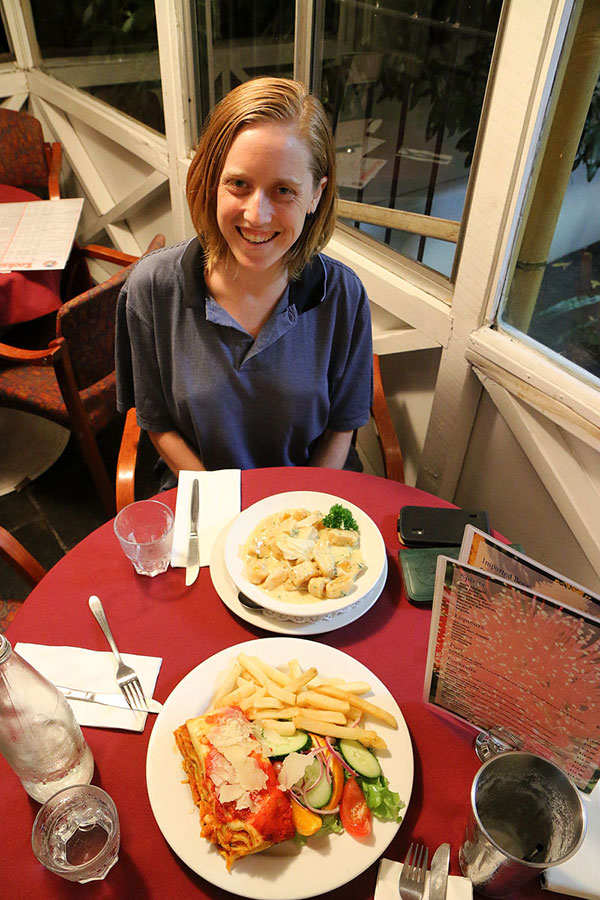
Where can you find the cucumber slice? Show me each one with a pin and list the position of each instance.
(320, 794)
(359, 758)
(279, 747)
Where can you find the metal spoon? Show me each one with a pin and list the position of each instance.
(249, 604)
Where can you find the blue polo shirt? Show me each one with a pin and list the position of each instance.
(186, 364)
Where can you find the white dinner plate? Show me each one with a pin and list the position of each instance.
(284, 870)
(372, 549)
(228, 593)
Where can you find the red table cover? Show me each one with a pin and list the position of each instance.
(160, 616)
(26, 295)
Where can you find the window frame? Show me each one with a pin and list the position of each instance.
(553, 414)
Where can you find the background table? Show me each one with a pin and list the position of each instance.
(26, 295)
(161, 617)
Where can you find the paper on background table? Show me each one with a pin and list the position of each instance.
(93, 670)
(39, 234)
(220, 501)
(459, 888)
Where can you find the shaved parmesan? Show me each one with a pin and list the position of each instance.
(293, 769)
(234, 772)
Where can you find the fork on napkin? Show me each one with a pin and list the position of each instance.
(220, 501)
(93, 670)
(459, 888)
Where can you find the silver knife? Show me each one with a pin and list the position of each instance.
(193, 556)
(108, 699)
(438, 876)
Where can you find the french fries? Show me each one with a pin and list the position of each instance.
(286, 701)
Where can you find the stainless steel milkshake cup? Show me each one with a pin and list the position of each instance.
(526, 815)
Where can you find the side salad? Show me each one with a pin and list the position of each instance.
(334, 785)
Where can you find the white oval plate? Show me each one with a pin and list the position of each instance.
(228, 593)
(371, 544)
(285, 870)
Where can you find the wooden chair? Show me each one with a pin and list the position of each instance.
(20, 559)
(26, 159)
(72, 380)
(386, 436)
(25, 565)
(391, 452)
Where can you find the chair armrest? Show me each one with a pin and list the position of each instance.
(126, 463)
(107, 254)
(29, 357)
(20, 558)
(386, 433)
(54, 159)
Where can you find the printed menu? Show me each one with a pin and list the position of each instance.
(38, 234)
(516, 646)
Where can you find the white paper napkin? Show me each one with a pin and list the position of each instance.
(220, 501)
(92, 670)
(459, 888)
(580, 875)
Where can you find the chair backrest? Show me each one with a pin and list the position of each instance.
(87, 323)
(22, 156)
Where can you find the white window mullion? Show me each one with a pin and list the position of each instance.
(554, 456)
(172, 27)
(531, 375)
(19, 24)
(303, 40)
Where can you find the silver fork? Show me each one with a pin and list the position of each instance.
(412, 879)
(126, 677)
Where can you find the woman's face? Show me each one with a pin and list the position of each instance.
(265, 192)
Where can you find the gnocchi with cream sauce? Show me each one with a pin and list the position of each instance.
(295, 558)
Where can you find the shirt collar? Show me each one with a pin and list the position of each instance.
(192, 265)
(305, 293)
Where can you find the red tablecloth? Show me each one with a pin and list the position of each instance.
(161, 617)
(26, 295)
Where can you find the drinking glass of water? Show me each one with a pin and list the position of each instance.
(145, 532)
(76, 833)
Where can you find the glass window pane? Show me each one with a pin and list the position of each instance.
(108, 49)
(554, 293)
(403, 82)
(239, 40)
(6, 53)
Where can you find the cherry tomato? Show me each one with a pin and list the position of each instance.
(354, 812)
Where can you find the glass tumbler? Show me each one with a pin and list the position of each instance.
(76, 833)
(145, 532)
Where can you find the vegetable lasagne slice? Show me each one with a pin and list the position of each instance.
(242, 808)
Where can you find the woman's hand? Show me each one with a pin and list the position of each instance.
(176, 451)
(331, 450)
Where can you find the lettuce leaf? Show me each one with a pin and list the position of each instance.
(382, 802)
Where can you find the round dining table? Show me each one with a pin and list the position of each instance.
(162, 617)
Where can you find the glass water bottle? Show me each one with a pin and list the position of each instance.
(39, 735)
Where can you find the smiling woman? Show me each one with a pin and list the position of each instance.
(265, 193)
(246, 346)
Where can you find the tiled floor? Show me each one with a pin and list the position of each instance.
(57, 510)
